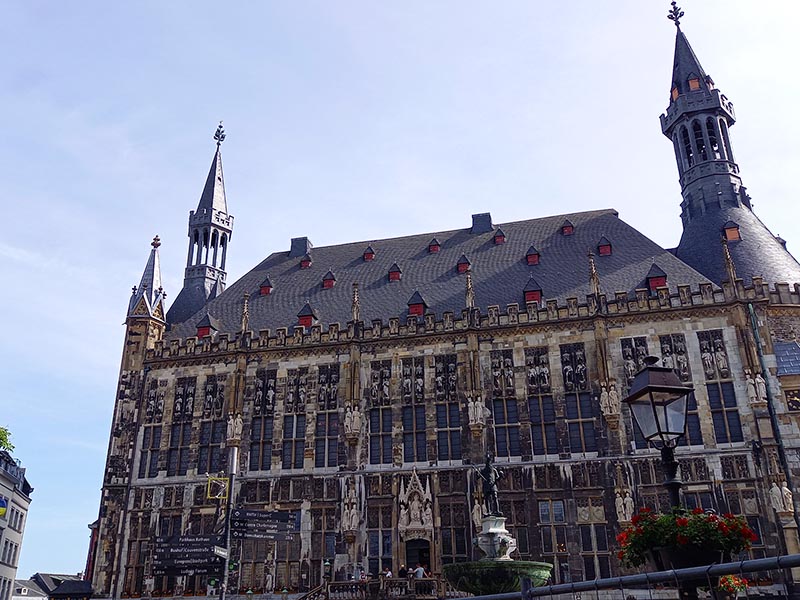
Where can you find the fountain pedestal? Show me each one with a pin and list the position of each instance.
(494, 540)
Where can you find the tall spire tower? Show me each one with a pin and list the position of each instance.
(715, 203)
(210, 229)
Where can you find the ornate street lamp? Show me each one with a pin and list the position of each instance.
(658, 401)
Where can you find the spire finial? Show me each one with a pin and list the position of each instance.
(156, 242)
(245, 313)
(219, 134)
(356, 307)
(675, 14)
(470, 291)
(594, 276)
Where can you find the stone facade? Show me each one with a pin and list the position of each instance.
(372, 431)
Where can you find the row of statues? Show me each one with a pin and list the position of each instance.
(609, 400)
(353, 420)
(756, 387)
(781, 498)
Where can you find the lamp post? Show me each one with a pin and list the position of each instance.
(658, 401)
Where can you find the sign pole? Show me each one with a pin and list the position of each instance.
(233, 464)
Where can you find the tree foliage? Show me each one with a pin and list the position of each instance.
(5, 440)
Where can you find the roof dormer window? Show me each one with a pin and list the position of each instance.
(604, 247)
(328, 281)
(416, 304)
(463, 265)
(567, 228)
(207, 326)
(499, 237)
(694, 84)
(395, 274)
(306, 316)
(674, 93)
(532, 256)
(305, 262)
(369, 254)
(266, 287)
(434, 245)
(656, 278)
(731, 230)
(532, 291)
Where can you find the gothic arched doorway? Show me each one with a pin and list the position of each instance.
(418, 552)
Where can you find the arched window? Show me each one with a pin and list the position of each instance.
(699, 140)
(687, 147)
(713, 141)
(723, 129)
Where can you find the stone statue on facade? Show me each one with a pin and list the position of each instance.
(629, 506)
(603, 400)
(614, 404)
(750, 382)
(761, 387)
(776, 497)
(721, 358)
(788, 499)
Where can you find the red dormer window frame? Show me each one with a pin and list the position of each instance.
(499, 239)
(305, 321)
(463, 267)
(395, 275)
(434, 247)
(732, 234)
(533, 296)
(694, 84)
(656, 282)
(532, 259)
(203, 332)
(416, 309)
(328, 283)
(265, 290)
(604, 249)
(305, 263)
(368, 256)
(567, 229)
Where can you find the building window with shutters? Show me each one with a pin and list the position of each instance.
(553, 531)
(580, 409)
(593, 530)
(505, 411)
(540, 401)
(454, 532)
(379, 538)
(178, 453)
(148, 455)
(414, 445)
(294, 436)
(211, 451)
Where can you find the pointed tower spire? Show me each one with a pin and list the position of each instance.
(245, 313)
(697, 121)
(470, 291)
(210, 229)
(148, 298)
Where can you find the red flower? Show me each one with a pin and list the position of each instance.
(729, 515)
(681, 539)
(635, 519)
(620, 555)
(697, 511)
(681, 521)
(723, 528)
(645, 509)
(713, 518)
(622, 537)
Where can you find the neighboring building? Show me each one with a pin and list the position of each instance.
(52, 586)
(371, 376)
(15, 497)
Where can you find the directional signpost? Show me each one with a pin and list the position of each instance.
(186, 555)
(262, 525)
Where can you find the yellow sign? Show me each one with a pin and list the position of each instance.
(217, 488)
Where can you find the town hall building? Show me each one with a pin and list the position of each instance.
(358, 385)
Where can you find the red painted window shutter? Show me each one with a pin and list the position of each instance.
(203, 332)
(305, 321)
(533, 296)
(328, 283)
(604, 250)
(433, 248)
(265, 290)
(415, 309)
(657, 282)
(533, 259)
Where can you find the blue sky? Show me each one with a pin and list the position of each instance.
(346, 120)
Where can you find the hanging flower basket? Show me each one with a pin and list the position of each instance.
(682, 538)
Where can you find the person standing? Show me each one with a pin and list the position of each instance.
(402, 572)
(419, 572)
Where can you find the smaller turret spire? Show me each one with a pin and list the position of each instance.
(673, 15)
(148, 298)
(219, 134)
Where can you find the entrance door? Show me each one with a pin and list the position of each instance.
(418, 551)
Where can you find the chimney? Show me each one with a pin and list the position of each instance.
(300, 247)
(482, 223)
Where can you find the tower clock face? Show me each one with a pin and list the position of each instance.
(793, 400)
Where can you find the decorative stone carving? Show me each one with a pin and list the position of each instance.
(573, 367)
(776, 497)
(235, 426)
(489, 476)
(750, 383)
(761, 388)
(788, 500)
(351, 514)
(416, 509)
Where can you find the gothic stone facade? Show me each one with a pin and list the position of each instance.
(371, 433)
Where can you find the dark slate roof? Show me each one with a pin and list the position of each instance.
(50, 582)
(532, 285)
(499, 273)
(532, 250)
(463, 260)
(685, 65)
(266, 282)
(416, 298)
(603, 241)
(567, 223)
(758, 253)
(788, 355)
(655, 271)
(209, 321)
(369, 250)
(73, 589)
(434, 242)
(328, 276)
(307, 311)
(394, 268)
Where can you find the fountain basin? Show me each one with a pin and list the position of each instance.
(495, 576)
